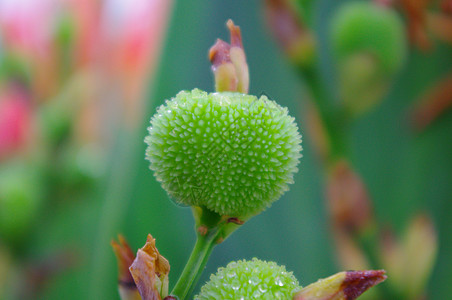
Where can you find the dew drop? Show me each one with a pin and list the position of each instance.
(254, 280)
(235, 285)
(278, 281)
(263, 288)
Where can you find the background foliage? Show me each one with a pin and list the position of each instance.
(406, 172)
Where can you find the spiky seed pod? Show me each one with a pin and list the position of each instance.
(232, 153)
(254, 279)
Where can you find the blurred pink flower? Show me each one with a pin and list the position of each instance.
(133, 33)
(26, 25)
(15, 121)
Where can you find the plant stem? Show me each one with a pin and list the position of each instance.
(196, 263)
(331, 114)
(335, 122)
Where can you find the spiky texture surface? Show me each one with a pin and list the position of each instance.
(254, 279)
(368, 27)
(232, 153)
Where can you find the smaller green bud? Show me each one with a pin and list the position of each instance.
(20, 198)
(370, 48)
(369, 27)
(232, 153)
(254, 279)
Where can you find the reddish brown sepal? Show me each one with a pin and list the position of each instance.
(236, 221)
(219, 53)
(357, 282)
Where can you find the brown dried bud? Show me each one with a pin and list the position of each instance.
(348, 201)
(415, 11)
(347, 285)
(440, 24)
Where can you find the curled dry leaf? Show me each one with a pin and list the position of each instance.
(347, 285)
(124, 255)
(150, 272)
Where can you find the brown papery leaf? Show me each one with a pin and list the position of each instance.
(150, 272)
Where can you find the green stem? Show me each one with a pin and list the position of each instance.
(196, 263)
(333, 118)
(335, 121)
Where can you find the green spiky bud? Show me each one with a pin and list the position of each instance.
(232, 153)
(254, 279)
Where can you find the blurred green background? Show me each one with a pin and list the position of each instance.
(406, 172)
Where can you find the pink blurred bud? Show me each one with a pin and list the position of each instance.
(440, 24)
(26, 24)
(348, 200)
(289, 29)
(446, 6)
(132, 33)
(15, 122)
(433, 104)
